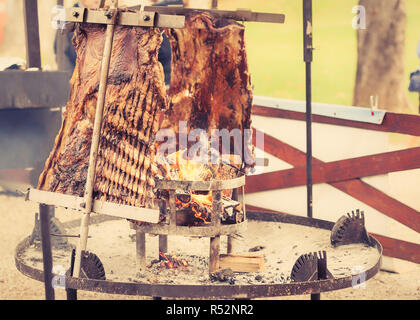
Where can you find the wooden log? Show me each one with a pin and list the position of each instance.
(186, 217)
(242, 262)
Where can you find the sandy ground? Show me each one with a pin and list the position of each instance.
(17, 219)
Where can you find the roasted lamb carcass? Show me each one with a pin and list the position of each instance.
(135, 97)
(210, 82)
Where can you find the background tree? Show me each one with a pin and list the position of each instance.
(380, 65)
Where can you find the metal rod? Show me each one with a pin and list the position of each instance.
(239, 14)
(90, 180)
(214, 4)
(308, 57)
(44, 213)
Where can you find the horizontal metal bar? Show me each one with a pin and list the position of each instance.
(203, 231)
(135, 19)
(66, 235)
(239, 14)
(322, 109)
(99, 207)
(201, 185)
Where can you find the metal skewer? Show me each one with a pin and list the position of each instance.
(90, 180)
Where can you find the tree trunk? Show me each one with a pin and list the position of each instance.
(380, 67)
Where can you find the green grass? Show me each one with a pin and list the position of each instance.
(275, 51)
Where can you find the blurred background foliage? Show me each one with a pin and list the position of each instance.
(276, 58)
(274, 51)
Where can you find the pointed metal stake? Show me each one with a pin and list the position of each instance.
(90, 180)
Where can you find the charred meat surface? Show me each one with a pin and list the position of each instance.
(135, 98)
(210, 82)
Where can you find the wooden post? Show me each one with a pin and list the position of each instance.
(90, 180)
(33, 51)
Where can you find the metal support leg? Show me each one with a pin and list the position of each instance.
(316, 296)
(214, 263)
(44, 212)
(230, 240)
(140, 250)
(230, 245)
(308, 57)
(163, 243)
(72, 293)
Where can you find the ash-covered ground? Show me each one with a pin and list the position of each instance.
(280, 244)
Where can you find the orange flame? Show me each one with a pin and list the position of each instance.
(171, 261)
(184, 169)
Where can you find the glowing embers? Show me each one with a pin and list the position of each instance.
(169, 261)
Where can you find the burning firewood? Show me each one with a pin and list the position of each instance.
(194, 209)
(169, 261)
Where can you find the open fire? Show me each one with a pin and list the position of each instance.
(169, 261)
(178, 166)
